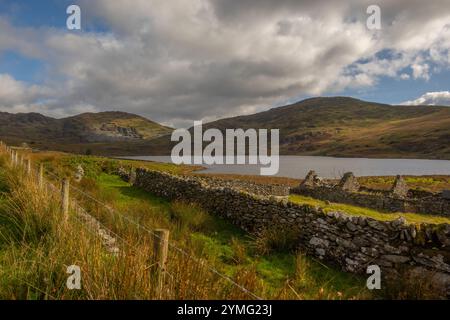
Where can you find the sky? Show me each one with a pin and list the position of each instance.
(180, 61)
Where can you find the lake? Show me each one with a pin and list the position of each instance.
(330, 167)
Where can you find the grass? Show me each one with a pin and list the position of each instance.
(434, 183)
(219, 241)
(361, 211)
(65, 164)
(36, 247)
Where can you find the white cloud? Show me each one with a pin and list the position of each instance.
(405, 76)
(440, 98)
(421, 71)
(184, 60)
(15, 92)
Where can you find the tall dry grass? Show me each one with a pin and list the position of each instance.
(37, 246)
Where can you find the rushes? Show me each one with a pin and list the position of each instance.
(276, 238)
(191, 217)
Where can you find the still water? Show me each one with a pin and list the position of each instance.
(330, 167)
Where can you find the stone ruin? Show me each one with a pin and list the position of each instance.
(398, 199)
(311, 180)
(400, 188)
(349, 183)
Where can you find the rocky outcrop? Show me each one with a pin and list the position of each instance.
(114, 130)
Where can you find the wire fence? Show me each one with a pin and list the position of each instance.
(115, 244)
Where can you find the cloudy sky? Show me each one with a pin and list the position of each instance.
(183, 60)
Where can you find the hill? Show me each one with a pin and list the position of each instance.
(340, 126)
(325, 126)
(87, 128)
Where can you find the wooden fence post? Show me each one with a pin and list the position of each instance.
(159, 261)
(41, 176)
(28, 166)
(65, 198)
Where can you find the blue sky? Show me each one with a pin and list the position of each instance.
(182, 61)
(393, 90)
(35, 13)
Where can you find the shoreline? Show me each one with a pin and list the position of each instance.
(296, 168)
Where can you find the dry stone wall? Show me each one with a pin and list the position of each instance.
(248, 186)
(351, 242)
(277, 190)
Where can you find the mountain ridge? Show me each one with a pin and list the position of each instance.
(349, 127)
(318, 126)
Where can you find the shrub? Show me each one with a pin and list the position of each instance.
(277, 238)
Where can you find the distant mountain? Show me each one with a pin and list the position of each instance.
(103, 127)
(335, 126)
(341, 126)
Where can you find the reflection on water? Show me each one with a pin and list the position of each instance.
(329, 167)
